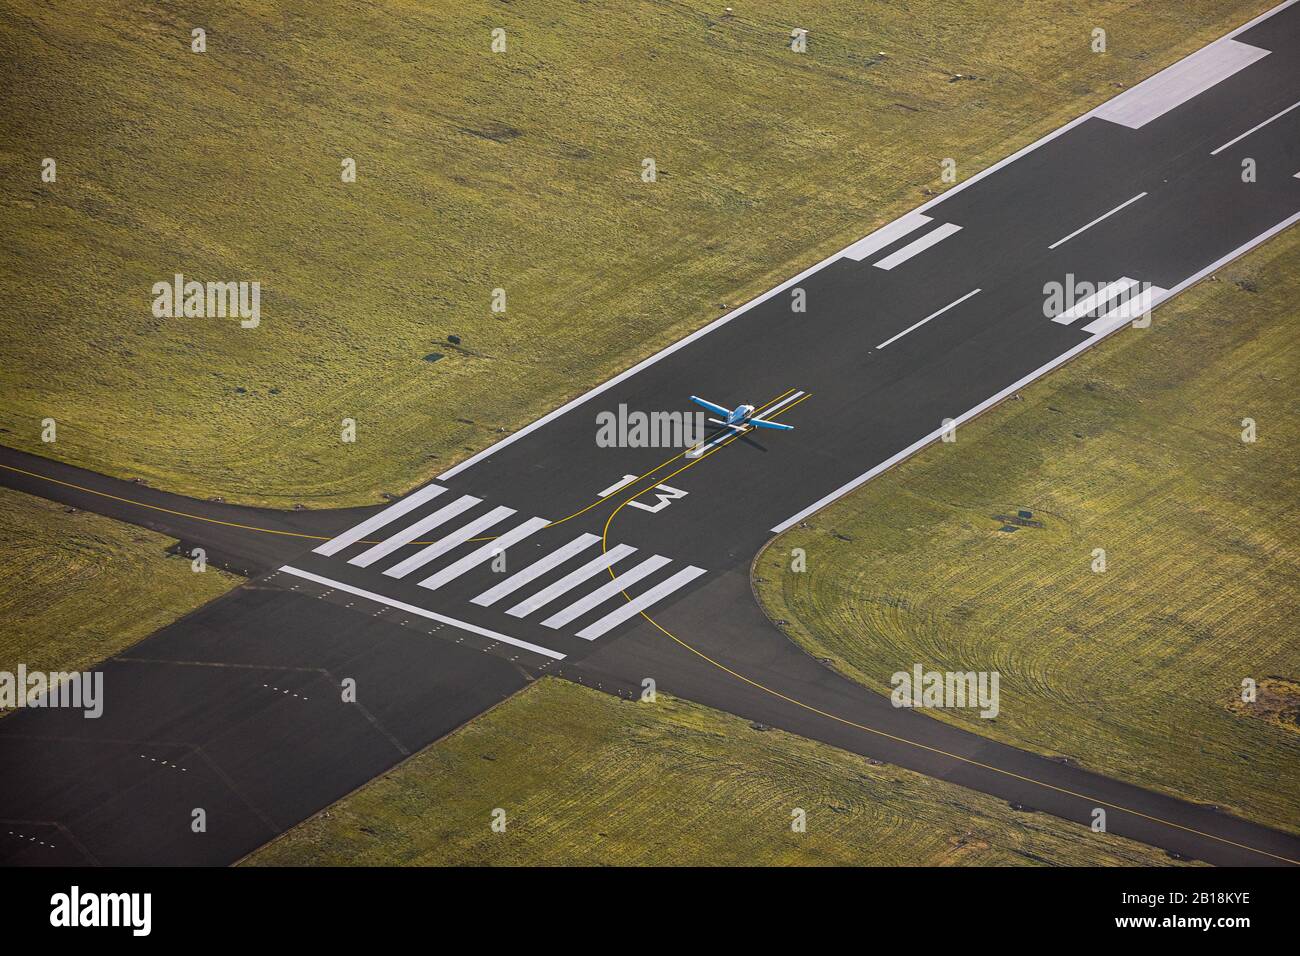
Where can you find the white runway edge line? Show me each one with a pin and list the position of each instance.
(1032, 376)
(421, 612)
(1216, 152)
(387, 516)
(911, 328)
(1105, 215)
(795, 280)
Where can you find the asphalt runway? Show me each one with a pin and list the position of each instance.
(933, 318)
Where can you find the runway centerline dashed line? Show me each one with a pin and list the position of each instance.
(1256, 128)
(935, 315)
(1105, 215)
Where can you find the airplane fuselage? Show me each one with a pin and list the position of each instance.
(742, 418)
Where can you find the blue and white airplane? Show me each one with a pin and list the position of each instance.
(738, 418)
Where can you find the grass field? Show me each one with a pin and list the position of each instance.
(79, 588)
(1135, 448)
(475, 171)
(589, 779)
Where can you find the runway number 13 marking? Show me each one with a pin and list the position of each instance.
(666, 497)
(665, 494)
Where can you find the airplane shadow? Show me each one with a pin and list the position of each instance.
(744, 438)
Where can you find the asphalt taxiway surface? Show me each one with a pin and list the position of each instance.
(611, 565)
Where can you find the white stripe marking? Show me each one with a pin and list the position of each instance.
(928, 318)
(796, 279)
(535, 570)
(1128, 310)
(411, 532)
(389, 514)
(1216, 152)
(640, 603)
(917, 246)
(443, 545)
(1016, 386)
(421, 612)
(571, 580)
(885, 235)
(486, 553)
(699, 450)
(1105, 215)
(606, 591)
(1101, 296)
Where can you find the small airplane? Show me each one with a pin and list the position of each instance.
(739, 418)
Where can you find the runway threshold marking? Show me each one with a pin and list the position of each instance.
(903, 740)
(1105, 215)
(610, 493)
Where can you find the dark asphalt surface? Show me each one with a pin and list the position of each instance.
(211, 687)
(248, 541)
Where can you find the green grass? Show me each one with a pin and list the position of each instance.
(475, 171)
(1134, 448)
(79, 588)
(589, 779)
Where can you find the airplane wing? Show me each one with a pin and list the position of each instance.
(716, 409)
(766, 424)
